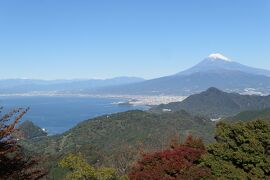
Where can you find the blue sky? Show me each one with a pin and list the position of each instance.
(56, 39)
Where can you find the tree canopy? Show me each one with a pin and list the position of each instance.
(178, 162)
(14, 164)
(80, 169)
(241, 151)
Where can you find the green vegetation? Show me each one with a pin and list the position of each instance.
(29, 130)
(241, 151)
(117, 140)
(250, 115)
(80, 169)
(214, 103)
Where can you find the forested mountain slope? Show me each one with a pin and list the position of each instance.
(215, 103)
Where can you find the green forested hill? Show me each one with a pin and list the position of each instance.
(28, 130)
(105, 139)
(215, 103)
(250, 115)
(116, 140)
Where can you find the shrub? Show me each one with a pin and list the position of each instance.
(80, 169)
(242, 151)
(178, 162)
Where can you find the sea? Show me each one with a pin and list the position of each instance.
(58, 114)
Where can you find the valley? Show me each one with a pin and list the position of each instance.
(105, 139)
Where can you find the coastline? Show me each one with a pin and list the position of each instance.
(135, 100)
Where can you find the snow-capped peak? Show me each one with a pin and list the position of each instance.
(218, 56)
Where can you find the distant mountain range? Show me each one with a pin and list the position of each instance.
(77, 85)
(214, 71)
(214, 103)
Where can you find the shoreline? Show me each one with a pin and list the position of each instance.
(135, 100)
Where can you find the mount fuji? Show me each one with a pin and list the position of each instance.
(218, 62)
(216, 70)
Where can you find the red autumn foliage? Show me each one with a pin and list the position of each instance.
(179, 162)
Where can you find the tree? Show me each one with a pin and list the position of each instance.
(241, 151)
(178, 162)
(80, 169)
(124, 158)
(13, 162)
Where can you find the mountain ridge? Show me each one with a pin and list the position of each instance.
(235, 81)
(250, 116)
(30, 85)
(214, 71)
(108, 139)
(219, 62)
(215, 103)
